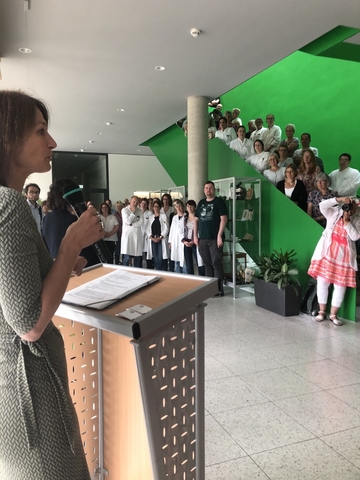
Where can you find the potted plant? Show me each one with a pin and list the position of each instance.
(276, 287)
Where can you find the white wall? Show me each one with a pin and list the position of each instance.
(129, 173)
(44, 181)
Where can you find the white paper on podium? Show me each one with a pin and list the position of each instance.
(108, 289)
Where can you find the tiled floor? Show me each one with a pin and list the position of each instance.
(282, 395)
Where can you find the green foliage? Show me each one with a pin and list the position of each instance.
(278, 267)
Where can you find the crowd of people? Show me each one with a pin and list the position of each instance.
(162, 234)
(155, 233)
(291, 164)
(299, 173)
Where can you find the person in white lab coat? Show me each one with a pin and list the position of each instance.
(175, 236)
(132, 236)
(158, 230)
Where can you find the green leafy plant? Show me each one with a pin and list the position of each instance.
(278, 267)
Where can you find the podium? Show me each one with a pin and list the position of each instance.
(138, 386)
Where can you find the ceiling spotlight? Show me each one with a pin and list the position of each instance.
(91, 141)
(83, 149)
(98, 133)
(159, 68)
(120, 109)
(108, 123)
(195, 32)
(24, 50)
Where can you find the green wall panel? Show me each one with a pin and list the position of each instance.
(170, 147)
(336, 36)
(319, 95)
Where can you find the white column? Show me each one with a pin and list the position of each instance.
(197, 109)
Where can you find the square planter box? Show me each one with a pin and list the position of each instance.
(285, 302)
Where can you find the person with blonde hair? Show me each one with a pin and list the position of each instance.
(291, 142)
(132, 237)
(175, 245)
(275, 173)
(235, 119)
(308, 170)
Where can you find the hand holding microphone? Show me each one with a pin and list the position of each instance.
(88, 229)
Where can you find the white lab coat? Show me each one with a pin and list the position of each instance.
(200, 261)
(175, 237)
(132, 237)
(164, 233)
(146, 216)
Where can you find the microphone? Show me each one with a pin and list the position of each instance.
(73, 195)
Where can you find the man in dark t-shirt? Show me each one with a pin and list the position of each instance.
(209, 235)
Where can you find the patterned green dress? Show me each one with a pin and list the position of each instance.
(39, 432)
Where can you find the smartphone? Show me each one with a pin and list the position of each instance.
(128, 315)
(139, 309)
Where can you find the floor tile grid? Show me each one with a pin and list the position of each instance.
(270, 399)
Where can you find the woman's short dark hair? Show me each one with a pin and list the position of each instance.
(55, 199)
(192, 203)
(258, 140)
(157, 202)
(107, 206)
(17, 117)
(292, 166)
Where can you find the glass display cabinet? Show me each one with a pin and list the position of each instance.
(178, 193)
(243, 230)
(175, 192)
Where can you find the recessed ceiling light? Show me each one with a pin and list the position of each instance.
(108, 123)
(83, 149)
(98, 133)
(138, 150)
(24, 50)
(91, 141)
(159, 68)
(120, 109)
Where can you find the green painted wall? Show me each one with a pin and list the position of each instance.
(319, 95)
(332, 44)
(170, 147)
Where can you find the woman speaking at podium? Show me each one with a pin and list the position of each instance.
(39, 432)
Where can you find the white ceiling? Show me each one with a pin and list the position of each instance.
(91, 57)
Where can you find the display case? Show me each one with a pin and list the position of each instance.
(175, 193)
(178, 193)
(243, 230)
